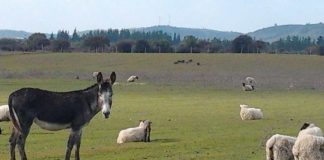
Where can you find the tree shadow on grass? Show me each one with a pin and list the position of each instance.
(170, 140)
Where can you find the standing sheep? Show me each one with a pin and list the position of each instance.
(279, 147)
(137, 134)
(309, 144)
(250, 113)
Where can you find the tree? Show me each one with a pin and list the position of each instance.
(63, 35)
(189, 45)
(37, 41)
(124, 46)
(161, 46)
(320, 41)
(242, 44)
(51, 37)
(142, 46)
(259, 46)
(97, 43)
(75, 36)
(7, 44)
(60, 45)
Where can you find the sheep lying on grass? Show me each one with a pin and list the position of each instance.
(279, 147)
(132, 78)
(250, 113)
(309, 147)
(4, 114)
(250, 80)
(310, 129)
(247, 87)
(309, 144)
(137, 134)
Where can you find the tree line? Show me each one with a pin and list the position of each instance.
(126, 41)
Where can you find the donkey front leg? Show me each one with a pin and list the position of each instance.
(74, 140)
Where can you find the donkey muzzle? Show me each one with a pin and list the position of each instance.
(106, 114)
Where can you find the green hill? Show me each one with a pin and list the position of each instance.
(274, 33)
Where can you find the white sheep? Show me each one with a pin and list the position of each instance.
(250, 113)
(279, 147)
(309, 144)
(132, 78)
(310, 129)
(247, 87)
(137, 134)
(309, 147)
(250, 80)
(4, 113)
(94, 75)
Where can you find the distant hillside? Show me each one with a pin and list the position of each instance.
(269, 34)
(274, 33)
(200, 33)
(14, 34)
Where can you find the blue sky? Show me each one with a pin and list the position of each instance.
(224, 15)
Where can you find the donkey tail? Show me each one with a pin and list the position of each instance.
(13, 114)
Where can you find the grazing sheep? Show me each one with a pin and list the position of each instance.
(309, 144)
(250, 113)
(247, 87)
(279, 147)
(250, 80)
(137, 134)
(132, 78)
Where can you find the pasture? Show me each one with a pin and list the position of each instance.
(194, 109)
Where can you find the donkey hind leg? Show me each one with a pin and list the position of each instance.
(74, 140)
(13, 142)
(21, 139)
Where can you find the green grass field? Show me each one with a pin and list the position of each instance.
(196, 119)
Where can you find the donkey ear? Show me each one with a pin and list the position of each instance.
(99, 77)
(112, 77)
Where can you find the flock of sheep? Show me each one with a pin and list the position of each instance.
(308, 145)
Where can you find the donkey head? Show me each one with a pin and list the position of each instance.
(105, 93)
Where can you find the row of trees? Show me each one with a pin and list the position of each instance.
(114, 40)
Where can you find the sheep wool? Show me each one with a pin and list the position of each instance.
(250, 113)
(279, 147)
(4, 113)
(136, 134)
